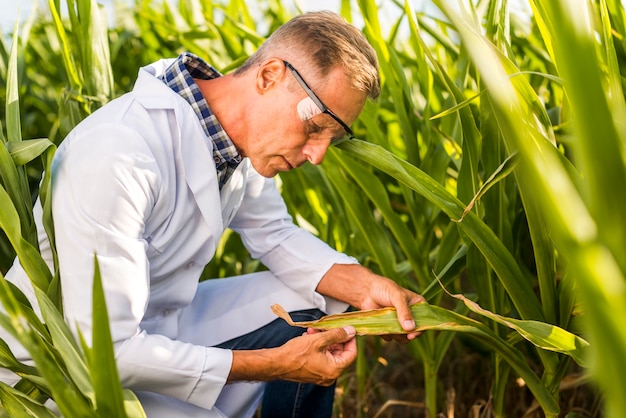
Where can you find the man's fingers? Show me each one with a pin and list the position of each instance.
(413, 335)
(339, 335)
(405, 316)
(416, 299)
(340, 344)
(350, 332)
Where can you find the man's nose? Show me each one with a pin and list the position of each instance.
(315, 153)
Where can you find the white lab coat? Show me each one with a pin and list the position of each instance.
(135, 183)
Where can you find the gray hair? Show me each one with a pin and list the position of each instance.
(327, 40)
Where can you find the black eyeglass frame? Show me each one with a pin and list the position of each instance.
(318, 102)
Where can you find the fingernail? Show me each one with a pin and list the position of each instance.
(350, 331)
(409, 325)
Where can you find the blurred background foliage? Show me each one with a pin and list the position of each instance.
(492, 167)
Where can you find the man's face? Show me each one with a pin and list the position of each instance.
(286, 137)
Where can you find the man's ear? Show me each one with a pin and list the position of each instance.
(269, 74)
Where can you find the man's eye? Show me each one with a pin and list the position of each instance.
(313, 128)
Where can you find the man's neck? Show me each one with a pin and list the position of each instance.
(226, 99)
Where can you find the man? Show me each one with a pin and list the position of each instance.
(150, 182)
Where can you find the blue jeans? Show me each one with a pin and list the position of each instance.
(283, 399)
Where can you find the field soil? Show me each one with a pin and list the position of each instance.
(395, 387)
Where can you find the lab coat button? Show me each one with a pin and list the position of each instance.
(190, 265)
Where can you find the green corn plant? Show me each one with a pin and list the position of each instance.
(85, 54)
(534, 121)
(584, 215)
(81, 381)
(462, 180)
(443, 191)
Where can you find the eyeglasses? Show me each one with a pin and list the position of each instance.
(322, 107)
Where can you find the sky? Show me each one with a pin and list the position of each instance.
(9, 9)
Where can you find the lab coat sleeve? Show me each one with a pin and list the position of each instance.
(105, 183)
(297, 257)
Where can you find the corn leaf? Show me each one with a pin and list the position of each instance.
(430, 318)
(68, 60)
(382, 321)
(8, 360)
(95, 60)
(65, 343)
(541, 334)
(17, 404)
(15, 187)
(363, 219)
(132, 406)
(586, 223)
(28, 373)
(25, 151)
(497, 255)
(501, 172)
(34, 387)
(14, 180)
(374, 189)
(29, 256)
(14, 129)
(46, 358)
(54, 288)
(102, 366)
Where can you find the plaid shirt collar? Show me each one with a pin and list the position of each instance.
(179, 76)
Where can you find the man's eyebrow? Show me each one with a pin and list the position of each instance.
(337, 129)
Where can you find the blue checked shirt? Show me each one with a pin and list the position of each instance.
(179, 77)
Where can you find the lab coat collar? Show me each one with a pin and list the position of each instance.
(196, 151)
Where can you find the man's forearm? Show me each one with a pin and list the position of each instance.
(349, 283)
(256, 365)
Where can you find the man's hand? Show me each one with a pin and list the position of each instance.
(315, 357)
(385, 292)
(364, 289)
(320, 356)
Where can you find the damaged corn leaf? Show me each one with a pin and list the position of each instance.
(382, 321)
(541, 334)
(429, 317)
